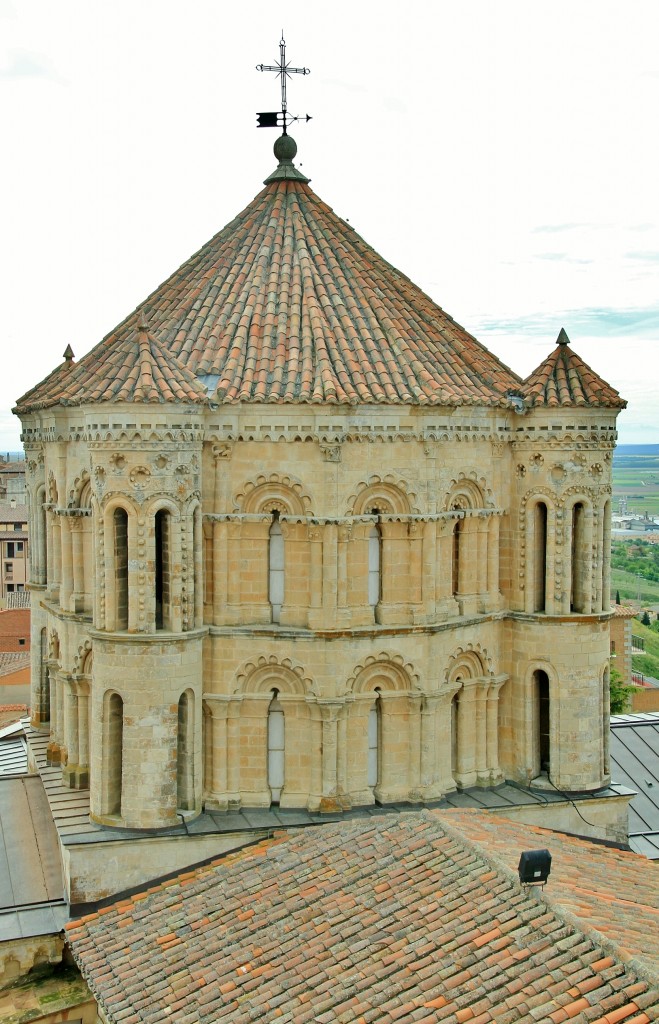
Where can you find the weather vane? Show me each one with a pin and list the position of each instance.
(281, 119)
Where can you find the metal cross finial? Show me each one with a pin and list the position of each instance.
(283, 70)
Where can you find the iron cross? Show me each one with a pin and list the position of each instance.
(283, 71)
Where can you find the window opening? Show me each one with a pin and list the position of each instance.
(542, 696)
(577, 588)
(120, 521)
(374, 732)
(185, 753)
(540, 556)
(276, 747)
(114, 754)
(163, 540)
(457, 539)
(374, 562)
(276, 567)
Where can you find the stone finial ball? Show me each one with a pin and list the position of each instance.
(285, 147)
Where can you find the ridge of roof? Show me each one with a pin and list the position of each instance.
(288, 303)
(564, 379)
(410, 910)
(136, 368)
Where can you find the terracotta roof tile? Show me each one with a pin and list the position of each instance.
(287, 304)
(563, 379)
(134, 368)
(306, 927)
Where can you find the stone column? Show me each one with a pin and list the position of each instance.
(587, 561)
(78, 567)
(330, 713)
(344, 532)
(315, 535)
(480, 707)
(83, 736)
(220, 566)
(598, 559)
(445, 783)
(466, 774)
(218, 783)
(430, 569)
(53, 755)
(494, 540)
(66, 586)
(550, 566)
(492, 711)
(330, 574)
(415, 563)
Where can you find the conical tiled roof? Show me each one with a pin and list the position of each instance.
(563, 379)
(134, 368)
(288, 304)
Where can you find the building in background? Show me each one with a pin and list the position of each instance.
(13, 548)
(12, 479)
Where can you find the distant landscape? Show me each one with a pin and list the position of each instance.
(635, 558)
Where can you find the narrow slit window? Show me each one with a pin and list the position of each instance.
(276, 568)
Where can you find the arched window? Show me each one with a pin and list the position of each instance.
(276, 747)
(120, 543)
(185, 753)
(374, 563)
(543, 724)
(163, 581)
(455, 563)
(539, 556)
(374, 741)
(577, 589)
(114, 754)
(276, 568)
(605, 557)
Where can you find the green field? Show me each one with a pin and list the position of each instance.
(636, 477)
(627, 584)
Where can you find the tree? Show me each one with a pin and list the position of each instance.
(617, 597)
(620, 693)
(645, 619)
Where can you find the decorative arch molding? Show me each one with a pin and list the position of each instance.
(118, 499)
(83, 659)
(468, 492)
(388, 672)
(539, 494)
(273, 493)
(578, 494)
(390, 494)
(472, 660)
(268, 673)
(162, 501)
(80, 495)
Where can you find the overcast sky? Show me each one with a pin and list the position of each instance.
(503, 154)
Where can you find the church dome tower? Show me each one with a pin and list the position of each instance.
(333, 552)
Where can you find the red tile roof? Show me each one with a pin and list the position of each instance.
(393, 918)
(132, 368)
(288, 304)
(563, 379)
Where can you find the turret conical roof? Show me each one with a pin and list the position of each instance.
(563, 379)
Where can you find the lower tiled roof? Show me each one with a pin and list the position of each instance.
(405, 919)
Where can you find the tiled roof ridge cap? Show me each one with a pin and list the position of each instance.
(643, 968)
